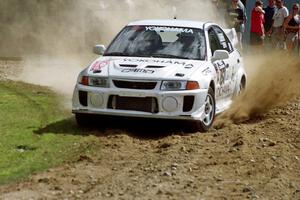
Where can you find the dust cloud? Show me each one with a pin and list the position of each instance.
(273, 80)
(113, 15)
(55, 38)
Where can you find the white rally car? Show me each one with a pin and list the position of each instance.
(171, 69)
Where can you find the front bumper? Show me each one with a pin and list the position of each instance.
(168, 104)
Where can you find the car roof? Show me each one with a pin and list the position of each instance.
(169, 22)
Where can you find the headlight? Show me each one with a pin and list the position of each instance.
(179, 85)
(173, 85)
(94, 81)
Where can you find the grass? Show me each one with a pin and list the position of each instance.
(24, 111)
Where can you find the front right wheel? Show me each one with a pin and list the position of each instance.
(241, 87)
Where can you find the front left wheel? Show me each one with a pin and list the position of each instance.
(209, 114)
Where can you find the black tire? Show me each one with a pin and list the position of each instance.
(84, 120)
(241, 87)
(210, 110)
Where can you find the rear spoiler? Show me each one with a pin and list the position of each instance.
(231, 34)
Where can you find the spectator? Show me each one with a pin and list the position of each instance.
(243, 2)
(242, 6)
(269, 13)
(292, 27)
(257, 32)
(237, 19)
(277, 29)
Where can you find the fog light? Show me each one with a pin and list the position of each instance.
(96, 99)
(170, 104)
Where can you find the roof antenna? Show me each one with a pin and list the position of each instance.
(174, 12)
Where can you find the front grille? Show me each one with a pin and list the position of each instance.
(188, 103)
(135, 85)
(83, 98)
(144, 104)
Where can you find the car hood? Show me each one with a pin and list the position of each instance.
(144, 68)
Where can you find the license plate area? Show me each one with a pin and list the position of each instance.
(144, 104)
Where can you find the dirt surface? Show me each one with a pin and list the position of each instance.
(256, 160)
(146, 159)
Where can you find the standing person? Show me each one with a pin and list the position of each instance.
(277, 29)
(292, 27)
(243, 2)
(242, 6)
(237, 19)
(257, 32)
(269, 13)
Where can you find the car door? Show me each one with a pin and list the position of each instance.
(224, 68)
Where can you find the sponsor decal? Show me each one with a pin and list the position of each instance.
(98, 65)
(206, 71)
(169, 29)
(221, 64)
(145, 71)
(170, 62)
(220, 68)
(224, 89)
(189, 66)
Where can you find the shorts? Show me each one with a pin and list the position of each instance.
(256, 39)
(277, 35)
(239, 28)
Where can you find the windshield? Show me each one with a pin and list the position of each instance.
(159, 41)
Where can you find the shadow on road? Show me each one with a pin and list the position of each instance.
(105, 126)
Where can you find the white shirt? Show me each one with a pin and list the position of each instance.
(279, 16)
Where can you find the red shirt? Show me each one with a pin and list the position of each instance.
(257, 22)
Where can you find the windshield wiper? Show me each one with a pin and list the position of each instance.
(158, 55)
(153, 55)
(124, 54)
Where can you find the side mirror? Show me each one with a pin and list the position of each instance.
(99, 49)
(220, 55)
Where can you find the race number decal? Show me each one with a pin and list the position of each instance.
(220, 68)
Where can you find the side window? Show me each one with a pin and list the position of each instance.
(223, 39)
(213, 41)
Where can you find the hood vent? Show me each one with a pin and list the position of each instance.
(154, 66)
(124, 65)
(179, 75)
